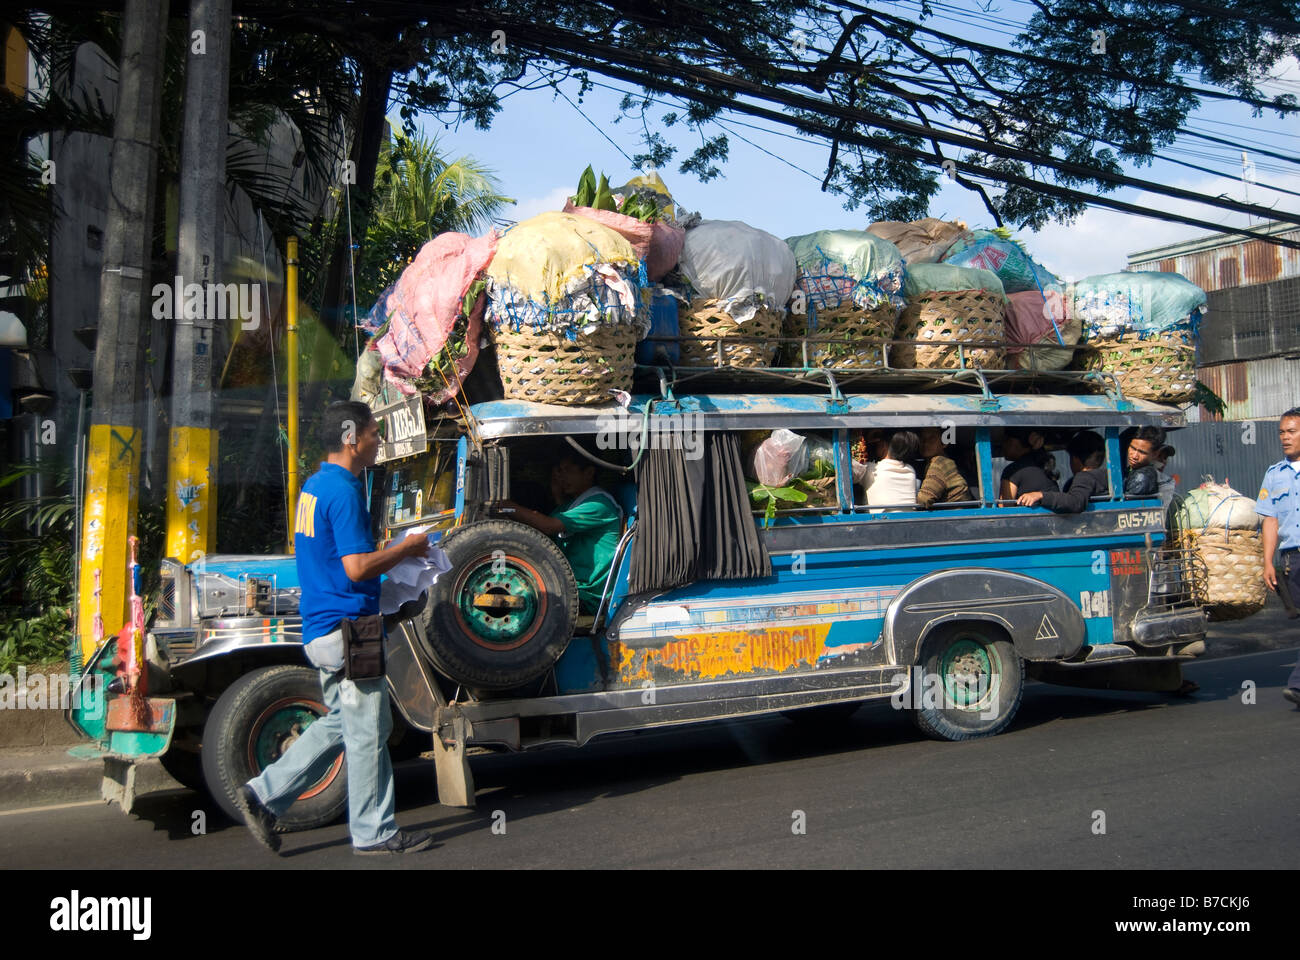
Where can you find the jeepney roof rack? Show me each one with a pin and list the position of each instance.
(881, 377)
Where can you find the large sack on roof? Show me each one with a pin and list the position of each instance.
(1017, 270)
(550, 256)
(919, 241)
(848, 266)
(937, 277)
(422, 307)
(1033, 319)
(565, 308)
(739, 266)
(1138, 301)
(659, 244)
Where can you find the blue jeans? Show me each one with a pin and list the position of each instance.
(359, 718)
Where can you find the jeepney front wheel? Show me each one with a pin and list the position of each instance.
(971, 682)
(253, 723)
(505, 611)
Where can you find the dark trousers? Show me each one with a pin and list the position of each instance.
(1289, 571)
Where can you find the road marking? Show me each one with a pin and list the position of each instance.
(52, 806)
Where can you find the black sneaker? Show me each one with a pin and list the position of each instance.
(401, 842)
(1292, 694)
(257, 818)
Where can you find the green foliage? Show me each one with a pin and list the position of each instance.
(419, 193)
(775, 498)
(586, 188)
(1211, 401)
(36, 568)
(28, 641)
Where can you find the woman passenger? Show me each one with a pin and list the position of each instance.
(894, 483)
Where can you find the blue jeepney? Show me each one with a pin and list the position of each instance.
(944, 611)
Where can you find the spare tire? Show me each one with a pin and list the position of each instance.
(505, 611)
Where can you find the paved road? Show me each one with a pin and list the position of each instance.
(1206, 782)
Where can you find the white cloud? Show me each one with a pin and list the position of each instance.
(553, 199)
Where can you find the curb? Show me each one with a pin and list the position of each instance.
(48, 777)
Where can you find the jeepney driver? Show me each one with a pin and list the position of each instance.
(586, 524)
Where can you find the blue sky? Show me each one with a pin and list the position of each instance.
(539, 144)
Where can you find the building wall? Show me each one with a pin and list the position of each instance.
(1237, 453)
(1254, 389)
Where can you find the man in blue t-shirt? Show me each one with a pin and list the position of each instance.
(339, 569)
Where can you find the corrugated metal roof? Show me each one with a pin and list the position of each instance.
(1207, 241)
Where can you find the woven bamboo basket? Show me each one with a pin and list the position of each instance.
(547, 367)
(704, 324)
(1234, 559)
(1160, 369)
(837, 339)
(948, 318)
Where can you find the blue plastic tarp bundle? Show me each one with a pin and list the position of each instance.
(1144, 302)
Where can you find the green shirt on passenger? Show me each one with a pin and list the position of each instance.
(592, 522)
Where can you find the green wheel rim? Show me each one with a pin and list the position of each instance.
(971, 674)
(499, 601)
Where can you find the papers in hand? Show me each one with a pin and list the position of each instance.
(412, 576)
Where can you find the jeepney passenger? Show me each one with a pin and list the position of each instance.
(894, 480)
(1140, 453)
(1087, 459)
(1032, 468)
(586, 523)
(943, 481)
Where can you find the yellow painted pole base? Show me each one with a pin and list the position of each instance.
(191, 493)
(108, 521)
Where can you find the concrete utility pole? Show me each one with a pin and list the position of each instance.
(113, 447)
(192, 458)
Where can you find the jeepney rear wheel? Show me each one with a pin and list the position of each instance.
(507, 609)
(253, 723)
(972, 682)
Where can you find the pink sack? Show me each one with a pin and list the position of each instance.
(427, 298)
(658, 244)
(1027, 321)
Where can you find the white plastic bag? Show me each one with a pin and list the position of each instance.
(780, 458)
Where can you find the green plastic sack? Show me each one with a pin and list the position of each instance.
(837, 266)
(932, 277)
(863, 255)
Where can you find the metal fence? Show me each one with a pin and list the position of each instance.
(1259, 320)
(1237, 451)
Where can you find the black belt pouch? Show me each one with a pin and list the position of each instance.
(363, 647)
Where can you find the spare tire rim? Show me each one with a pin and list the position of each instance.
(970, 674)
(500, 601)
(277, 728)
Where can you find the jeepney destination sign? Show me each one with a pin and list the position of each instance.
(401, 429)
